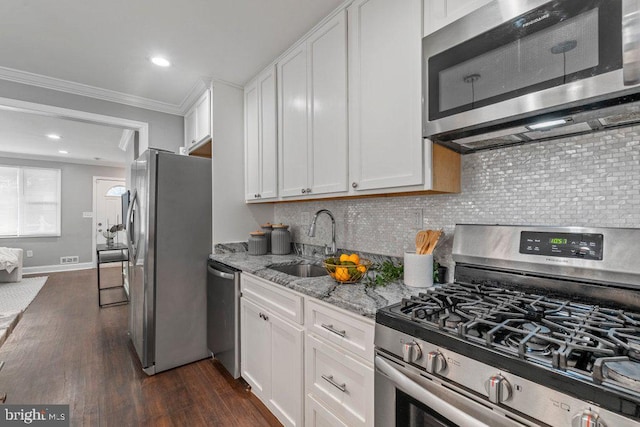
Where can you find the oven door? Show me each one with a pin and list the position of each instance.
(404, 396)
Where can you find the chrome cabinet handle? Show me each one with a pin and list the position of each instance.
(330, 328)
(304, 190)
(329, 378)
(308, 191)
(354, 184)
(264, 316)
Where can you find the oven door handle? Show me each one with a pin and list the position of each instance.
(414, 390)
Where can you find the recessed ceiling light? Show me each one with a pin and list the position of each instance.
(54, 136)
(63, 152)
(160, 61)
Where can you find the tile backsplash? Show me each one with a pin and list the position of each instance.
(591, 180)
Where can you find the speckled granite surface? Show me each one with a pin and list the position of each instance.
(356, 298)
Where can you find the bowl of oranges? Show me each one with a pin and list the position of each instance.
(347, 268)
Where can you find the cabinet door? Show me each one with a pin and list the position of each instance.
(385, 45)
(268, 134)
(316, 415)
(327, 59)
(340, 382)
(293, 123)
(203, 117)
(438, 13)
(261, 162)
(252, 166)
(190, 128)
(255, 345)
(287, 386)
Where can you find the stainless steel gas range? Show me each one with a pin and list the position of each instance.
(540, 327)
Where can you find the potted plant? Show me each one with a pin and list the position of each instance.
(439, 273)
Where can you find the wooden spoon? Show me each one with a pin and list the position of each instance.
(421, 241)
(434, 237)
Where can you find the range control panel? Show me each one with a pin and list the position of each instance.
(566, 245)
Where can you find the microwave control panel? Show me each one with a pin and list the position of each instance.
(565, 245)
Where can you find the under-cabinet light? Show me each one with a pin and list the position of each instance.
(547, 124)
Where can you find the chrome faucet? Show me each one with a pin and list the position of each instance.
(312, 231)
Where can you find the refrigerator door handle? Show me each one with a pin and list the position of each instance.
(130, 225)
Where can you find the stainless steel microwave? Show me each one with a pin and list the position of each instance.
(513, 72)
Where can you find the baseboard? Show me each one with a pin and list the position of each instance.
(56, 268)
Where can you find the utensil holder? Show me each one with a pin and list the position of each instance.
(418, 270)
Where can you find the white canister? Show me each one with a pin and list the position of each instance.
(418, 270)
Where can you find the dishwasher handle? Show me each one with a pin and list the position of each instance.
(219, 273)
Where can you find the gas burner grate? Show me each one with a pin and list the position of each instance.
(557, 333)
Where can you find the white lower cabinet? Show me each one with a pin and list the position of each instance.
(340, 381)
(317, 415)
(271, 357)
(309, 362)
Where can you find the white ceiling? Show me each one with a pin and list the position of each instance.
(106, 44)
(24, 135)
(102, 48)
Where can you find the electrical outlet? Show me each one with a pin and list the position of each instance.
(69, 259)
(415, 218)
(29, 254)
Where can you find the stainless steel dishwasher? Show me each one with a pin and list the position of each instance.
(223, 315)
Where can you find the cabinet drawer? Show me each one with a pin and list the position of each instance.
(285, 303)
(340, 382)
(352, 333)
(319, 416)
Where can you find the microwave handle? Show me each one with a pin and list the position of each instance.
(414, 390)
(631, 42)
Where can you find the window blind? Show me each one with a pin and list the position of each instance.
(29, 201)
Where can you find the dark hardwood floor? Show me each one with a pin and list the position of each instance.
(65, 350)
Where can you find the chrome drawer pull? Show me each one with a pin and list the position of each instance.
(329, 378)
(334, 330)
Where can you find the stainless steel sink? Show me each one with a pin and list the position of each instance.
(300, 270)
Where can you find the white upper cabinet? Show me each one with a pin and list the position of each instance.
(261, 137)
(312, 97)
(190, 128)
(385, 48)
(197, 122)
(438, 13)
(293, 122)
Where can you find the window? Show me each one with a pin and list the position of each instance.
(116, 191)
(29, 201)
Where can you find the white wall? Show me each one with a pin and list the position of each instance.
(233, 219)
(76, 197)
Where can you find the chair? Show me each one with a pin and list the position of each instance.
(16, 273)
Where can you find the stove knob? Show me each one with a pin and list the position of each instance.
(498, 389)
(411, 352)
(436, 362)
(587, 419)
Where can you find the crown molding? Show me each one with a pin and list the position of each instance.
(193, 95)
(46, 82)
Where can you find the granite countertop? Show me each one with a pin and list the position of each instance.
(356, 298)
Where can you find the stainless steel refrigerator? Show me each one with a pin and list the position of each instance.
(169, 237)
